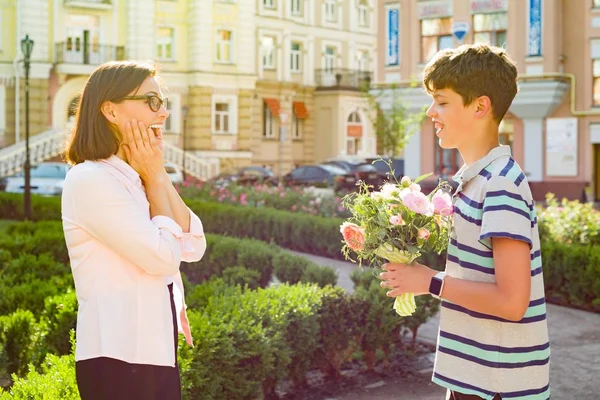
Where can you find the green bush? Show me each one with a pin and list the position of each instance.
(340, 326)
(42, 208)
(241, 276)
(56, 381)
(572, 274)
(569, 222)
(20, 339)
(322, 276)
(28, 280)
(60, 318)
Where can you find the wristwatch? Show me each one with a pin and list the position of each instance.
(437, 284)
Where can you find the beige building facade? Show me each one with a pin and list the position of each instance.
(249, 82)
(553, 125)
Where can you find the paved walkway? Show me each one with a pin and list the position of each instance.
(574, 341)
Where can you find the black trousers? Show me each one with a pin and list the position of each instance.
(462, 396)
(106, 378)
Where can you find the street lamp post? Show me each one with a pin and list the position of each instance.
(184, 113)
(27, 48)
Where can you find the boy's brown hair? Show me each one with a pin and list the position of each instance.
(473, 71)
(94, 137)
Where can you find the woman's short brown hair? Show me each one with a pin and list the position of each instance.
(473, 71)
(93, 137)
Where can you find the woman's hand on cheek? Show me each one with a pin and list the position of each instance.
(143, 152)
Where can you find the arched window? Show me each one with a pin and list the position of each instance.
(73, 105)
(354, 133)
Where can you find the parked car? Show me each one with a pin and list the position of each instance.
(323, 176)
(47, 179)
(246, 176)
(174, 172)
(383, 166)
(362, 171)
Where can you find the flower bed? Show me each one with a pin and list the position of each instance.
(263, 195)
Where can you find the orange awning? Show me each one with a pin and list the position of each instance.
(300, 110)
(273, 105)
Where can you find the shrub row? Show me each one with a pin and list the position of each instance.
(568, 231)
(250, 341)
(39, 307)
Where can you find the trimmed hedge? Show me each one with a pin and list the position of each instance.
(249, 341)
(571, 271)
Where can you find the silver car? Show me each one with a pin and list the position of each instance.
(47, 179)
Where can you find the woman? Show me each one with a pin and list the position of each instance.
(127, 231)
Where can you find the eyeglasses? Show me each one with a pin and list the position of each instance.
(154, 102)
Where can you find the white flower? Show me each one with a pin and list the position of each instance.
(390, 191)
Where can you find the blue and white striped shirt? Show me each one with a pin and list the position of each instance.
(477, 353)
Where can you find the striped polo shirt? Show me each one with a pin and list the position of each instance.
(478, 353)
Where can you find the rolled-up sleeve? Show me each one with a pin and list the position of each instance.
(194, 241)
(105, 208)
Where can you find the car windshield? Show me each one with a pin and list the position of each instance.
(333, 169)
(366, 168)
(49, 171)
(170, 169)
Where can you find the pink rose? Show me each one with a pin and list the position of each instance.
(354, 236)
(418, 202)
(396, 220)
(423, 234)
(442, 203)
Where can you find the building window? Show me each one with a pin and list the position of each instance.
(329, 59)
(297, 126)
(173, 122)
(490, 28)
(224, 46)
(331, 11)
(596, 4)
(363, 13)
(296, 6)
(296, 57)
(354, 134)
(268, 48)
(221, 115)
(224, 114)
(505, 132)
(2, 111)
(436, 35)
(268, 131)
(165, 43)
(269, 4)
(362, 62)
(596, 68)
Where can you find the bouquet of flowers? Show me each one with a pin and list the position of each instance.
(398, 224)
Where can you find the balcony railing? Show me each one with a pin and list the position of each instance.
(88, 54)
(341, 78)
(89, 3)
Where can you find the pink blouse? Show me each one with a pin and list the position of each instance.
(122, 261)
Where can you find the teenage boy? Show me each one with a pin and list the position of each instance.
(493, 338)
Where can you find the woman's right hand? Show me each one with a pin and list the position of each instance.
(143, 152)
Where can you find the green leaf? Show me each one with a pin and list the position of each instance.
(420, 178)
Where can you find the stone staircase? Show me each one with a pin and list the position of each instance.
(50, 143)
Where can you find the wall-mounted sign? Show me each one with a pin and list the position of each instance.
(561, 146)
(460, 29)
(434, 9)
(488, 6)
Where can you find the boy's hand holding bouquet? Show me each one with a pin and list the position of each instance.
(398, 224)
